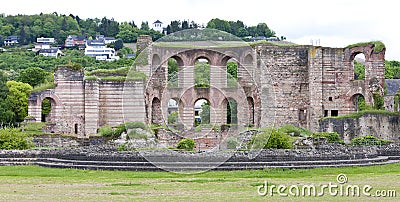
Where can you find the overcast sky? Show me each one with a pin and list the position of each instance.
(334, 23)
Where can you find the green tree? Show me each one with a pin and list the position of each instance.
(127, 33)
(219, 24)
(378, 101)
(172, 72)
(118, 44)
(145, 26)
(202, 75)
(33, 76)
(359, 71)
(205, 113)
(17, 96)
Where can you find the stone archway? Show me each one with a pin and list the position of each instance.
(156, 114)
(187, 92)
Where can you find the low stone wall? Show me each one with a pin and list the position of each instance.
(59, 141)
(382, 126)
(110, 153)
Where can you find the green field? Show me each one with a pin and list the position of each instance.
(27, 183)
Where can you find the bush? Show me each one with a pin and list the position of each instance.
(368, 140)
(108, 131)
(173, 118)
(297, 131)
(11, 138)
(132, 125)
(330, 136)
(232, 143)
(186, 144)
(271, 138)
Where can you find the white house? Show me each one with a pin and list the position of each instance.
(45, 40)
(43, 43)
(50, 52)
(157, 26)
(98, 49)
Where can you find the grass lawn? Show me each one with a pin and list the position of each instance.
(27, 183)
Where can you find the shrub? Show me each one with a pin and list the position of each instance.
(108, 131)
(232, 143)
(271, 138)
(186, 144)
(132, 125)
(173, 118)
(11, 138)
(34, 128)
(368, 140)
(297, 131)
(330, 136)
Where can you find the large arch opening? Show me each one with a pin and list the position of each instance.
(359, 66)
(47, 109)
(231, 111)
(156, 114)
(359, 103)
(174, 65)
(232, 73)
(202, 73)
(250, 102)
(201, 112)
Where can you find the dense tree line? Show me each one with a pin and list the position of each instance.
(237, 28)
(30, 27)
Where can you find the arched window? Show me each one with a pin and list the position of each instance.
(173, 69)
(156, 114)
(201, 112)
(232, 73)
(359, 66)
(202, 73)
(47, 105)
(231, 112)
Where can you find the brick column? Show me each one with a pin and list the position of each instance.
(218, 76)
(91, 107)
(186, 76)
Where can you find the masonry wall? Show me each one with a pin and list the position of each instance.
(284, 85)
(381, 126)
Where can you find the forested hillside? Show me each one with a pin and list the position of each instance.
(59, 26)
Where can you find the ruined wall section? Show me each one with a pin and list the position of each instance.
(70, 91)
(286, 71)
(379, 125)
(92, 105)
(117, 106)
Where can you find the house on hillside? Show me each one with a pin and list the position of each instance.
(157, 26)
(50, 52)
(107, 40)
(43, 43)
(11, 40)
(98, 49)
(73, 40)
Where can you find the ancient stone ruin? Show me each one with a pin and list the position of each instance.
(276, 85)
